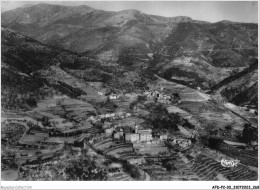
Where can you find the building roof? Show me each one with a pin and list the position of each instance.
(131, 133)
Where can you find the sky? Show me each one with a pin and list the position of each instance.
(212, 11)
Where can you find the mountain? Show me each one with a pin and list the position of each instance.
(241, 88)
(32, 71)
(190, 52)
(84, 29)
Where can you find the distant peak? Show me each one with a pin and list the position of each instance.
(27, 5)
(181, 18)
(83, 7)
(226, 22)
(47, 5)
(131, 11)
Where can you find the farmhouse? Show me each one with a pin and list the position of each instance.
(163, 136)
(113, 96)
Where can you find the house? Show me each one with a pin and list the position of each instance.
(109, 130)
(102, 116)
(113, 97)
(133, 137)
(128, 114)
(163, 136)
(91, 118)
(143, 130)
(110, 115)
(118, 135)
(106, 125)
(107, 115)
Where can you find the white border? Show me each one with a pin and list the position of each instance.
(125, 184)
(128, 184)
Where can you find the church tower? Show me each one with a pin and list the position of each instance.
(136, 128)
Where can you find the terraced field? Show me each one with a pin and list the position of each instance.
(104, 144)
(157, 172)
(210, 114)
(127, 155)
(122, 176)
(208, 169)
(118, 148)
(92, 131)
(248, 157)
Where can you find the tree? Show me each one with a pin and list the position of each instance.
(31, 102)
(228, 127)
(249, 133)
(161, 119)
(214, 143)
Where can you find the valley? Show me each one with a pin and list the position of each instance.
(93, 95)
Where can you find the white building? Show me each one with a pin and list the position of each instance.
(133, 137)
(109, 130)
(113, 97)
(146, 137)
(163, 136)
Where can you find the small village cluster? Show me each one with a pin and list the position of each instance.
(111, 116)
(157, 94)
(163, 98)
(111, 96)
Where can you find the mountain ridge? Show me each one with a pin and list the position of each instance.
(194, 53)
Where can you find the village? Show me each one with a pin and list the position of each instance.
(112, 131)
